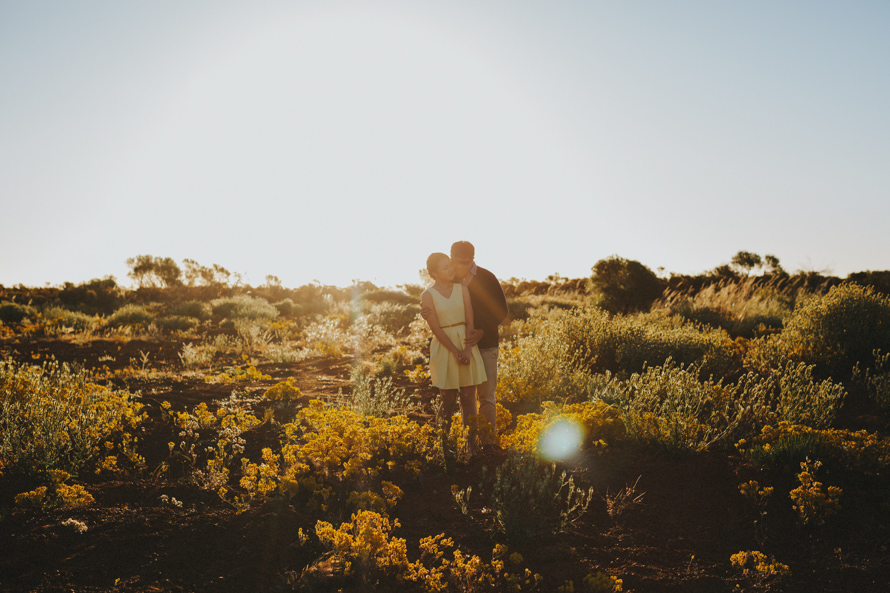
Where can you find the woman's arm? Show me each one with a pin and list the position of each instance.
(426, 301)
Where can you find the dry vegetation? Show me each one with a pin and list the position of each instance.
(725, 433)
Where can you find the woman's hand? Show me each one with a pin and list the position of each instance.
(464, 356)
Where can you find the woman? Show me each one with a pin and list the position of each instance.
(455, 368)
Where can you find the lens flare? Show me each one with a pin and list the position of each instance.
(561, 441)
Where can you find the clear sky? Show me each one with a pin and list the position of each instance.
(347, 140)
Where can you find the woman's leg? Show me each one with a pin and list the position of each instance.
(446, 410)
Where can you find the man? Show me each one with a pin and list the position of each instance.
(489, 310)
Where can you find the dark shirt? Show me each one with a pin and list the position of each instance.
(489, 306)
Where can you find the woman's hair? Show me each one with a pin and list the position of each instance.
(433, 261)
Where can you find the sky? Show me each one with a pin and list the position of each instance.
(334, 141)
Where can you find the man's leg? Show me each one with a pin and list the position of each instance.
(485, 392)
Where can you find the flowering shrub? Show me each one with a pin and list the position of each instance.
(56, 495)
(601, 423)
(786, 443)
(365, 546)
(757, 567)
(759, 497)
(812, 503)
(52, 417)
(210, 464)
(284, 391)
(335, 459)
(368, 552)
(598, 582)
(237, 374)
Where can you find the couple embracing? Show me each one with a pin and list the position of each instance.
(464, 307)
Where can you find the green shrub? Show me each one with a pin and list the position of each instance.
(392, 317)
(800, 399)
(131, 315)
(528, 497)
(671, 407)
(243, 307)
(194, 309)
(288, 308)
(93, 297)
(625, 285)
(838, 330)
(15, 312)
(597, 342)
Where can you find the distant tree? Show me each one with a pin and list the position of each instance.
(746, 261)
(771, 262)
(725, 272)
(198, 275)
(149, 271)
(625, 285)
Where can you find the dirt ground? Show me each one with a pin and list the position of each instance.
(678, 538)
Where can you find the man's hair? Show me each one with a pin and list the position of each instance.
(463, 249)
(432, 263)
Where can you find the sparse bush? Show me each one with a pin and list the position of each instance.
(394, 318)
(194, 356)
(373, 397)
(744, 308)
(877, 379)
(16, 312)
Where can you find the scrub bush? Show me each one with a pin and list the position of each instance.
(177, 323)
(131, 315)
(593, 341)
(195, 309)
(288, 308)
(60, 318)
(839, 329)
(243, 307)
(528, 497)
(15, 312)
